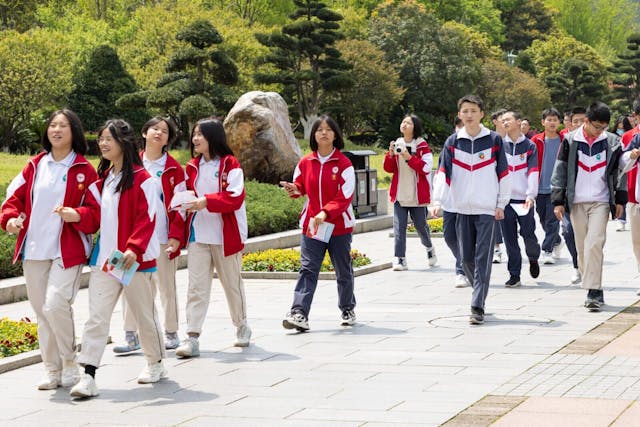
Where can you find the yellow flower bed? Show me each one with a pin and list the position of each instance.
(435, 225)
(289, 260)
(17, 337)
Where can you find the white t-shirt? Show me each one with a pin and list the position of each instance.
(109, 217)
(208, 225)
(155, 169)
(43, 236)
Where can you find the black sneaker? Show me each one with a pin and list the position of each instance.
(534, 268)
(513, 282)
(348, 318)
(595, 300)
(477, 316)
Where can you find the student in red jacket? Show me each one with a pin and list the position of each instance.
(158, 133)
(50, 245)
(217, 231)
(127, 205)
(410, 161)
(327, 178)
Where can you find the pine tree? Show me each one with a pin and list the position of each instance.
(626, 75)
(304, 59)
(98, 86)
(197, 80)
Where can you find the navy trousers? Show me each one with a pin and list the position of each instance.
(509, 227)
(475, 237)
(311, 255)
(549, 222)
(451, 237)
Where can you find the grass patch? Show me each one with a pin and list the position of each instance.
(289, 260)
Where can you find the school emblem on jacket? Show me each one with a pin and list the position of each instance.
(521, 156)
(481, 156)
(80, 177)
(598, 156)
(64, 178)
(159, 174)
(335, 169)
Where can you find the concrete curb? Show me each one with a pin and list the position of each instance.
(19, 361)
(14, 289)
(414, 234)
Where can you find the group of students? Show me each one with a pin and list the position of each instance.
(59, 201)
(576, 177)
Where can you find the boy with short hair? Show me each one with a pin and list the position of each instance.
(585, 181)
(473, 182)
(547, 144)
(522, 157)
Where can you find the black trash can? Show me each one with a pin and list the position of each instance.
(365, 194)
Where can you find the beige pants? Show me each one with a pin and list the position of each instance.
(589, 222)
(202, 260)
(165, 284)
(104, 291)
(634, 220)
(51, 289)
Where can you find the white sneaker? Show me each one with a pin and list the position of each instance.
(152, 373)
(190, 347)
(557, 250)
(576, 277)
(171, 340)
(86, 387)
(400, 264)
(51, 381)
(432, 259)
(243, 336)
(497, 256)
(621, 226)
(461, 281)
(547, 258)
(70, 373)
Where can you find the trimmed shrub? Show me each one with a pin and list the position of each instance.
(270, 209)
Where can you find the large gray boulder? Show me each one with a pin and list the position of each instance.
(259, 133)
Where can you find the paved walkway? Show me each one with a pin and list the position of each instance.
(412, 359)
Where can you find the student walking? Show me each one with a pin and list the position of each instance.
(473, 182)
(38, 209)
(522, 158)
(128, 203)
(217, 230)
(158, 133)
(409, 160)
(585, 183)
(327, 178)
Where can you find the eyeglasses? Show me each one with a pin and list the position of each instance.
(599, 128)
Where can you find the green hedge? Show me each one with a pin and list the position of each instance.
(269, 209)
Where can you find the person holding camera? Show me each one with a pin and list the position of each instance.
(409, 159)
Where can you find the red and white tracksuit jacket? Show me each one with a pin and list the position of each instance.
(228, 202)
(135, 225)
(421, 163)
(329, 187)
(75, 245)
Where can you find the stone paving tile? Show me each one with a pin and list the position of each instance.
(412, 358)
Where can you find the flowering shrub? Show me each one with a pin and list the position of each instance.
(289, 260)
(435, 225)
(17, 337)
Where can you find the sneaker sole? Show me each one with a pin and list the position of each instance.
(163, 375)
(476, 322)
(515, 285)
(126, 351)
(289, 325)
(348, 323)
(81, 395)
(241, 344)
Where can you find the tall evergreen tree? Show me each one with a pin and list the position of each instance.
(197, 80)
(626, 75)
(575, 84)
(304, 59)
(99, 85)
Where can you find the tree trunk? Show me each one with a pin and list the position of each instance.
(307, 122)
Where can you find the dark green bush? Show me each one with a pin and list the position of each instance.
(7, 245)
(269, 209)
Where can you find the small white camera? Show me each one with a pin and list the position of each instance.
(398, 146)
